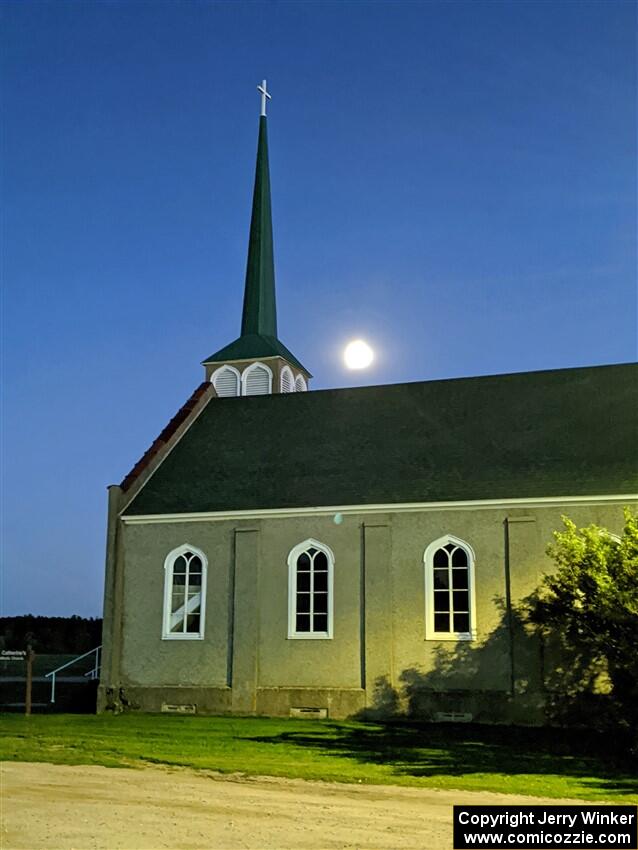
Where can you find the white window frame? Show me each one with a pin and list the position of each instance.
(168, 589)
(293, 634)
(301, 385)
(428, 562)
(251, 368)
(287, 371)
(227, 368)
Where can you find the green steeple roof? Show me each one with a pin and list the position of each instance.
(259, 317)
(260, 311)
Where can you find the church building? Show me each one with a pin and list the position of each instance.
(361, 552)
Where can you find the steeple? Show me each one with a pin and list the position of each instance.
(258, 343)
(260, 310)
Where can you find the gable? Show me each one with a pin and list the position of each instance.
(535, 434)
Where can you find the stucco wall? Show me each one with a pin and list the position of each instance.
(146, 659)
(379, 656)
(308, 663)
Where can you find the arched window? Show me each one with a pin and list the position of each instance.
(256, 380)
(300, 384)
(287, 381)
(310, 581)
(450, 599)
(184, 594)
(226, 381)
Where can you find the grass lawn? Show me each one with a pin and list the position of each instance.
(515, 761)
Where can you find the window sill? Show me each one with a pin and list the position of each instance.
(310, 636)
(455, 636)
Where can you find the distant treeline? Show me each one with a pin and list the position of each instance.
(51, 634)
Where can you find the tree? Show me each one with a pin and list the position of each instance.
(51, 634)
(591, 604)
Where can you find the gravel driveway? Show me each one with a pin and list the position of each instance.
(58, 807)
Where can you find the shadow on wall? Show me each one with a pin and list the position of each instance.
(518, 675)
(497, 681)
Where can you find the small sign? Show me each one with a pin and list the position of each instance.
(13, 654)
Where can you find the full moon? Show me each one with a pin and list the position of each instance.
(358, 354)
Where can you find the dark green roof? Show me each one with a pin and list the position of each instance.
(571, 432)
(259, 317)
(252, 346)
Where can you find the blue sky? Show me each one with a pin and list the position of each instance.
(455, 182)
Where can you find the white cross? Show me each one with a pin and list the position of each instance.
(264, 95)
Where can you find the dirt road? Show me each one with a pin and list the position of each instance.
(55, 807)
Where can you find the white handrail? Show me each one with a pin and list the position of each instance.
(92, 673)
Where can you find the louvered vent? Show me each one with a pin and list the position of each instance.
(287, 385)
(257, 381)
(300, 384)
(226, 382)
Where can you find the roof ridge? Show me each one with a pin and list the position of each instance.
(494, 375)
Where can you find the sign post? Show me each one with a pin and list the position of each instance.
(29, 660)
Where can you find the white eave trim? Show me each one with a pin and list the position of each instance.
(404, 507)
(302, 369)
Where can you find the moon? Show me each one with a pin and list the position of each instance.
(358, 354)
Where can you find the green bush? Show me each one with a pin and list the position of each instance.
(590, 606)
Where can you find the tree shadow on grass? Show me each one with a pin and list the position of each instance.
(430, 750)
